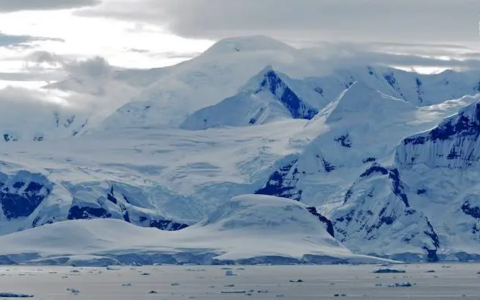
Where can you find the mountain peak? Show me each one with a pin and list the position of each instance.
(360, 98)
(248, 44)
(266, 77)
(279, 85)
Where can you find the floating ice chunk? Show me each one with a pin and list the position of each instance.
(73, 291)
(401, 284)
(386, 271)
(13, 295)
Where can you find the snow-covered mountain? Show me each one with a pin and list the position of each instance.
(195, 90)
(267, 97)
(208, 79)
(167, 97)
(282, 230)
(348, 172)
(440, 168)
(381, 161)
(427, 199)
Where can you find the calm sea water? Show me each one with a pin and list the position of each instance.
(438, 281)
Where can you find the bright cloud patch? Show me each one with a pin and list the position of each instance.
(12, 5)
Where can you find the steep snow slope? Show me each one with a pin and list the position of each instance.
(267, 97)
(247, 229)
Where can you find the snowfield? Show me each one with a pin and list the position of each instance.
(282, 230)
(362, 162)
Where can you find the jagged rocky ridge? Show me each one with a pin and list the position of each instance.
(29, 200)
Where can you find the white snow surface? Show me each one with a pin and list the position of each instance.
(249, 227)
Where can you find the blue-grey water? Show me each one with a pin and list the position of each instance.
(429, 281)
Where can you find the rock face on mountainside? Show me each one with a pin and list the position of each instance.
(454, 143)
(376, 216)
(29, 200)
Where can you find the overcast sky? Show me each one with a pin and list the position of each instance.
(352, 20)
(37, 37)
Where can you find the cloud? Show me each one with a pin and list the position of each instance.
(48, 66)
(18, 5)
(353, 20)
(30, 76)
(87, 87)
(44, 57)
(174, 55)
(134, 50)
(331, 56)
(8, 40)
(95, 68)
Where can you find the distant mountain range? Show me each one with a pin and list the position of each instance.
(374, 159)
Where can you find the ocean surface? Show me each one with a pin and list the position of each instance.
(428, 281)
